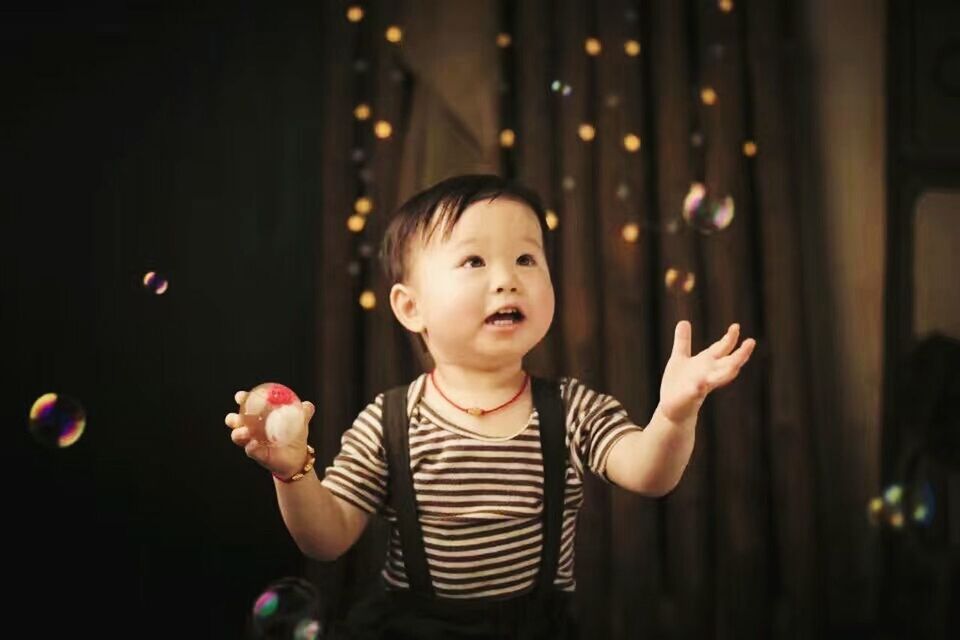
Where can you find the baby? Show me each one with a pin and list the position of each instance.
(478, 466)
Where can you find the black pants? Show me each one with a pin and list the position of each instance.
(395, 615)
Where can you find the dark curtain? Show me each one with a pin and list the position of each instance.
(735, 550)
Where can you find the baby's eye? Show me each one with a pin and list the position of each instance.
(528, 259)
(472, 260)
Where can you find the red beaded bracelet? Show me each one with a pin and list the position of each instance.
(307, 468)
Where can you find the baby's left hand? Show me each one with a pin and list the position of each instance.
(687, 380)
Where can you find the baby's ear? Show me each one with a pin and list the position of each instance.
(403, 301)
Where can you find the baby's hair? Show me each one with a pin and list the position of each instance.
(450, 198)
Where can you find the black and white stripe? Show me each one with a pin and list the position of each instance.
(480, 500)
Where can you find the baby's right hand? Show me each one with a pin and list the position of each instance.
(283, 460)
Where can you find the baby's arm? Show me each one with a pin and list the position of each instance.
(323, 525)
(651, 462)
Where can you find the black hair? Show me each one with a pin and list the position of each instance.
(450, 198)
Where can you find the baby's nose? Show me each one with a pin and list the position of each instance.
(501, 289)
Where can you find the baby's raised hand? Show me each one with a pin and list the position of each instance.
(688, 379)
(281, 458)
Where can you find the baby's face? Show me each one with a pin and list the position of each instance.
(494, 258)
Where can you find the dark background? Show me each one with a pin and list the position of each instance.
(152, 136)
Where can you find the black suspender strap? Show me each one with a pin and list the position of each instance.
(396, 441)
(546, 398)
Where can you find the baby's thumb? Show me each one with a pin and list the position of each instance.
(309, 409)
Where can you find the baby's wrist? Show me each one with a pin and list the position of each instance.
(300, 472)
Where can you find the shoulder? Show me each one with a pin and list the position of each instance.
(574, 391)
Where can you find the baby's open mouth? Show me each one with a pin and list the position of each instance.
(505, 317)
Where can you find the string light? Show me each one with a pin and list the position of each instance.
(708, 96)
(750, 148)
(587, 132)
(394, 34)
(382, 129)
(725, 5)
(363, 205)
(552, 220)
(631, 48)
(631, 142)
(361, 112)
(368, 300)
(507, 138)
(630, 232)
(592, 46)
(355, 13)
(503, 40)
(356, 223)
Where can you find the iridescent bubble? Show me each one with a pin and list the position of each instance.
(887, 508)
(57, 421)
(875, 511)
(358, 155)
(705, 214)
(266, 604)
(899, 506)
(612, 101)
(353, 268)
(923, 506)
(365, 249)
(893, 495)
(288, 608)
(560, 87)
(568, 183)
(679, 280)
(273, 414)
(696, 139)
(307, 630)
(155, 282)
(623, 191)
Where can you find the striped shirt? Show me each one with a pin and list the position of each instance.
(480, 499)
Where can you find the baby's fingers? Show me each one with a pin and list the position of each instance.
(232, 420)
(309, 409)
(239, 396)
(240, 436)
(257, 452)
